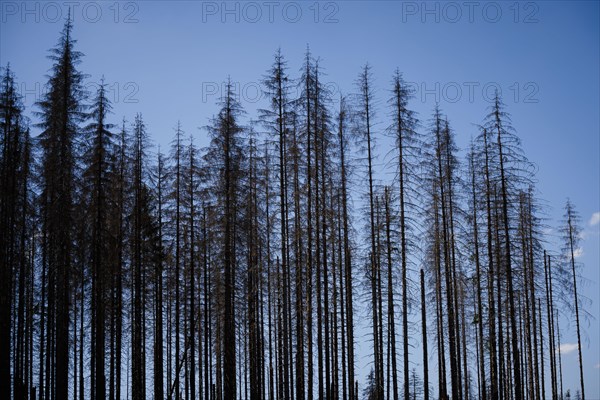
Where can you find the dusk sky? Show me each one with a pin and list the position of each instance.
(169, 60)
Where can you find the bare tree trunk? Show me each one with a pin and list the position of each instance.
(509, 279)
(424, 338)
(550, 314)
(543, 382)
(494, 369)
(229, 345)
(481, 358)
(158, 324)
(192, 315)
(571, 240)
(347, 255)
(309, 272)
(454, 366)
(390, 289)
(365, 93)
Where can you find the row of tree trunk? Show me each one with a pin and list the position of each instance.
(236, 270)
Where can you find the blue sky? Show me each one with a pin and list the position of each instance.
(169, 59)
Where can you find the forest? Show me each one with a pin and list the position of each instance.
(275, 262)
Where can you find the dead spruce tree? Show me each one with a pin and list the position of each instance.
(228, 269)
(61, 113)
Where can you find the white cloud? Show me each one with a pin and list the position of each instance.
(597, 366)
(595, 220)
(566, 348)
(578, 252)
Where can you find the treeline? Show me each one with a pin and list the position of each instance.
(250, 268)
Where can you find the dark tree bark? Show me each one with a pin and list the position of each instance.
(479, 315)
(159, 390)
(390, 290)
(96, 173)
(403, 131)
(137, 351)
(572, 236)
(424, 338)
(365, 115)
(349, 305)
(61, 112)
(14, 169)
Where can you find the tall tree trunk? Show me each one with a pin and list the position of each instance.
(511, 301)
(550, 315)
(390, 290)
(571, 242)
(192, 315)
(347, 255)
(365, 93)
(158, 300)
(481, 359)
(424, 334)
(454, 366)
(177, 354)
(493, 354)
(229, 346)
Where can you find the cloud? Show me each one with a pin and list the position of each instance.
(578, 252)
(597, 366)
(595, 220)
(566, 348)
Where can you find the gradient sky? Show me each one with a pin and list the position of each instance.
(168, 60)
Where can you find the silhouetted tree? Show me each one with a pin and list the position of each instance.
(96, 173)
(15, 216)
(226, 156)
(364, 116)
(403, 131)
(61, 112)
(572, 235)
(235, 264)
